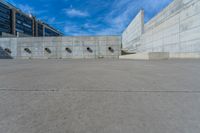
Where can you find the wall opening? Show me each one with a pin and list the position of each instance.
(89, 50)
(4, 54)
(28, 50)
(111, 49)
(68, 50)
(8, 50)
(48, 50)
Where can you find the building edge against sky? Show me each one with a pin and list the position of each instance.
(13, 22)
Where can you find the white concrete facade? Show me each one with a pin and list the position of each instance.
(61, 47)
(176, 30)
(130, 36)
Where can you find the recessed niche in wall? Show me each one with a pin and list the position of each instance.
(48, 50)
(68, 50)
(111, 49)
(89, 50)
(28, 50)
(8, 50)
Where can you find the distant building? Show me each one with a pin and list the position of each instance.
(13, 22)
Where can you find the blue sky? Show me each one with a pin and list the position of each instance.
(90, 17)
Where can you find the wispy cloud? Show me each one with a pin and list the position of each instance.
(117, 19)
(81, 29)
(76, 13)
(27, 9)
(91, 17)
(123, 11)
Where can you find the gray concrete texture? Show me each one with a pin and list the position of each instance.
(62, 47)
(99, 96)
(175, 29)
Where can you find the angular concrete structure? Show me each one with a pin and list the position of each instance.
(131, 36)
(175, 30)
(173, 33)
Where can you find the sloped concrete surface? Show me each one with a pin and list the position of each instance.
(99, 96)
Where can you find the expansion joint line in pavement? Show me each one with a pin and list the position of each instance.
(93, 90)
(29, 90)
(129, 91)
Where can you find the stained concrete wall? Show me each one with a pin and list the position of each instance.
(175, 29)
(62, 47)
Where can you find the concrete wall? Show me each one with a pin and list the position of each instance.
(175, 29)
(131, 35)
(62, 47)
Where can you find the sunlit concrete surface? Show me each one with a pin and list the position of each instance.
(99, 96)
(176, 29)
(68, 47)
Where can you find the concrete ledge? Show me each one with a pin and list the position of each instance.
(161, 56)
(184, 56)
(147, 56)
(158, 55)
(139, 56)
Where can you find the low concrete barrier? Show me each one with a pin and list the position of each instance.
(161, 56)
(184, 56)
(139, 56)
(158, 55)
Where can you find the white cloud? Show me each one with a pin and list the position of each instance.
(27, 9)
(116, 20)
(76, 13)
(51, 20)
(90, 26)
(111, 22)
(71, 28)
(123, 11)
(120, 15)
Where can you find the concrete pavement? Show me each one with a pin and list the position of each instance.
(99, 96)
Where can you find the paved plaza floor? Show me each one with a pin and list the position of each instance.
(99, 96)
